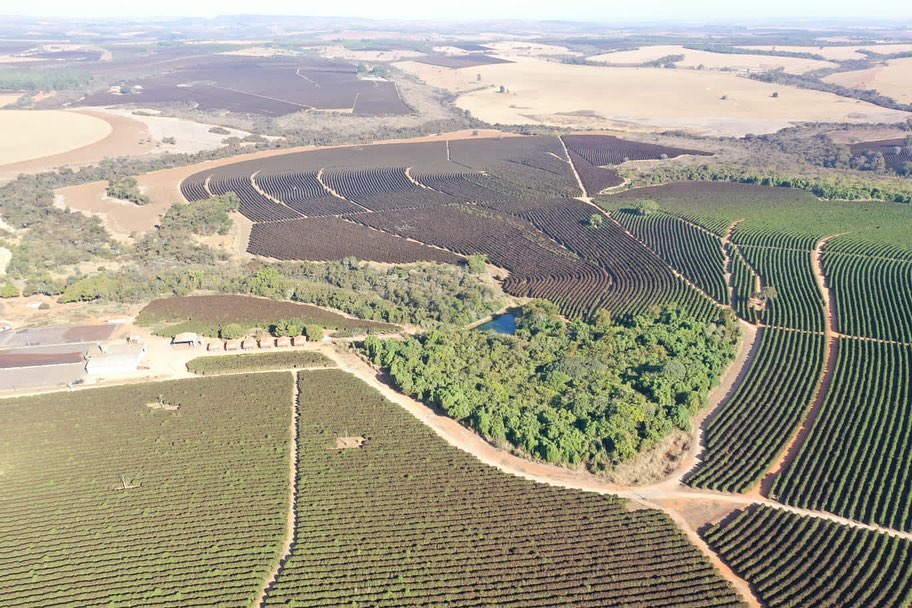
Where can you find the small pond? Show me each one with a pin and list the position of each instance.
(501, 324)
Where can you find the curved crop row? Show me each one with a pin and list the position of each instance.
(857, 460)
(798, 303)
(755, 425)
(792, 561)
(872, 295)
(692, 252)
(745, 283)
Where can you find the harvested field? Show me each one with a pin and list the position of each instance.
(125, 136)
(893, 79)
(264, 86)
(639, 98)
(896, 152)
(440, 201)
(712, 61)
(206, 314)
(29, 135)
(836, 53)
(601, 150)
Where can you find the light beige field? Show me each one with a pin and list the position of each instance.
(837, 53)
(522, 48)
(29, 135)
(125, 137)
(893, 79)
(713, 61)
(8, 99)
(593, 97)
(340, 52)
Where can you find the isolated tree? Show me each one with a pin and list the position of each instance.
(314, 333)
(767, 293)
(9, 291)
(232, 331)
(775, 95)
(503, 89)
(478, 77)
(477, 263)
(595, 221)
(646, 207)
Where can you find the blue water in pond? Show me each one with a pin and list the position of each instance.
(501, 324)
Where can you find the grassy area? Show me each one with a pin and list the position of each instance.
(230, 364)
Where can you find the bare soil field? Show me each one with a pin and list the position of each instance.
(125, 136)
(893, 79)
(712, 61)
(705, 102)
(28, 135)
(191, 137)
(121, 218)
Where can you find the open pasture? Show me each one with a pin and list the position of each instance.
(893, 79)
(407, 520)
(264, 86)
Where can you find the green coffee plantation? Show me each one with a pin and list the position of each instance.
(750, 429)
(163, 494)
(857, 460)
(407, 520)
(793, 561)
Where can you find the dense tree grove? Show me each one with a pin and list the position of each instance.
(591, 393)
(840, 187)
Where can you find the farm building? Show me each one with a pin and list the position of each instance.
(187, 338)
(283, 342)
(40, 367)
(115, 358)
(49, 336)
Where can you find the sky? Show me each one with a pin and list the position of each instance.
(568, 10)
